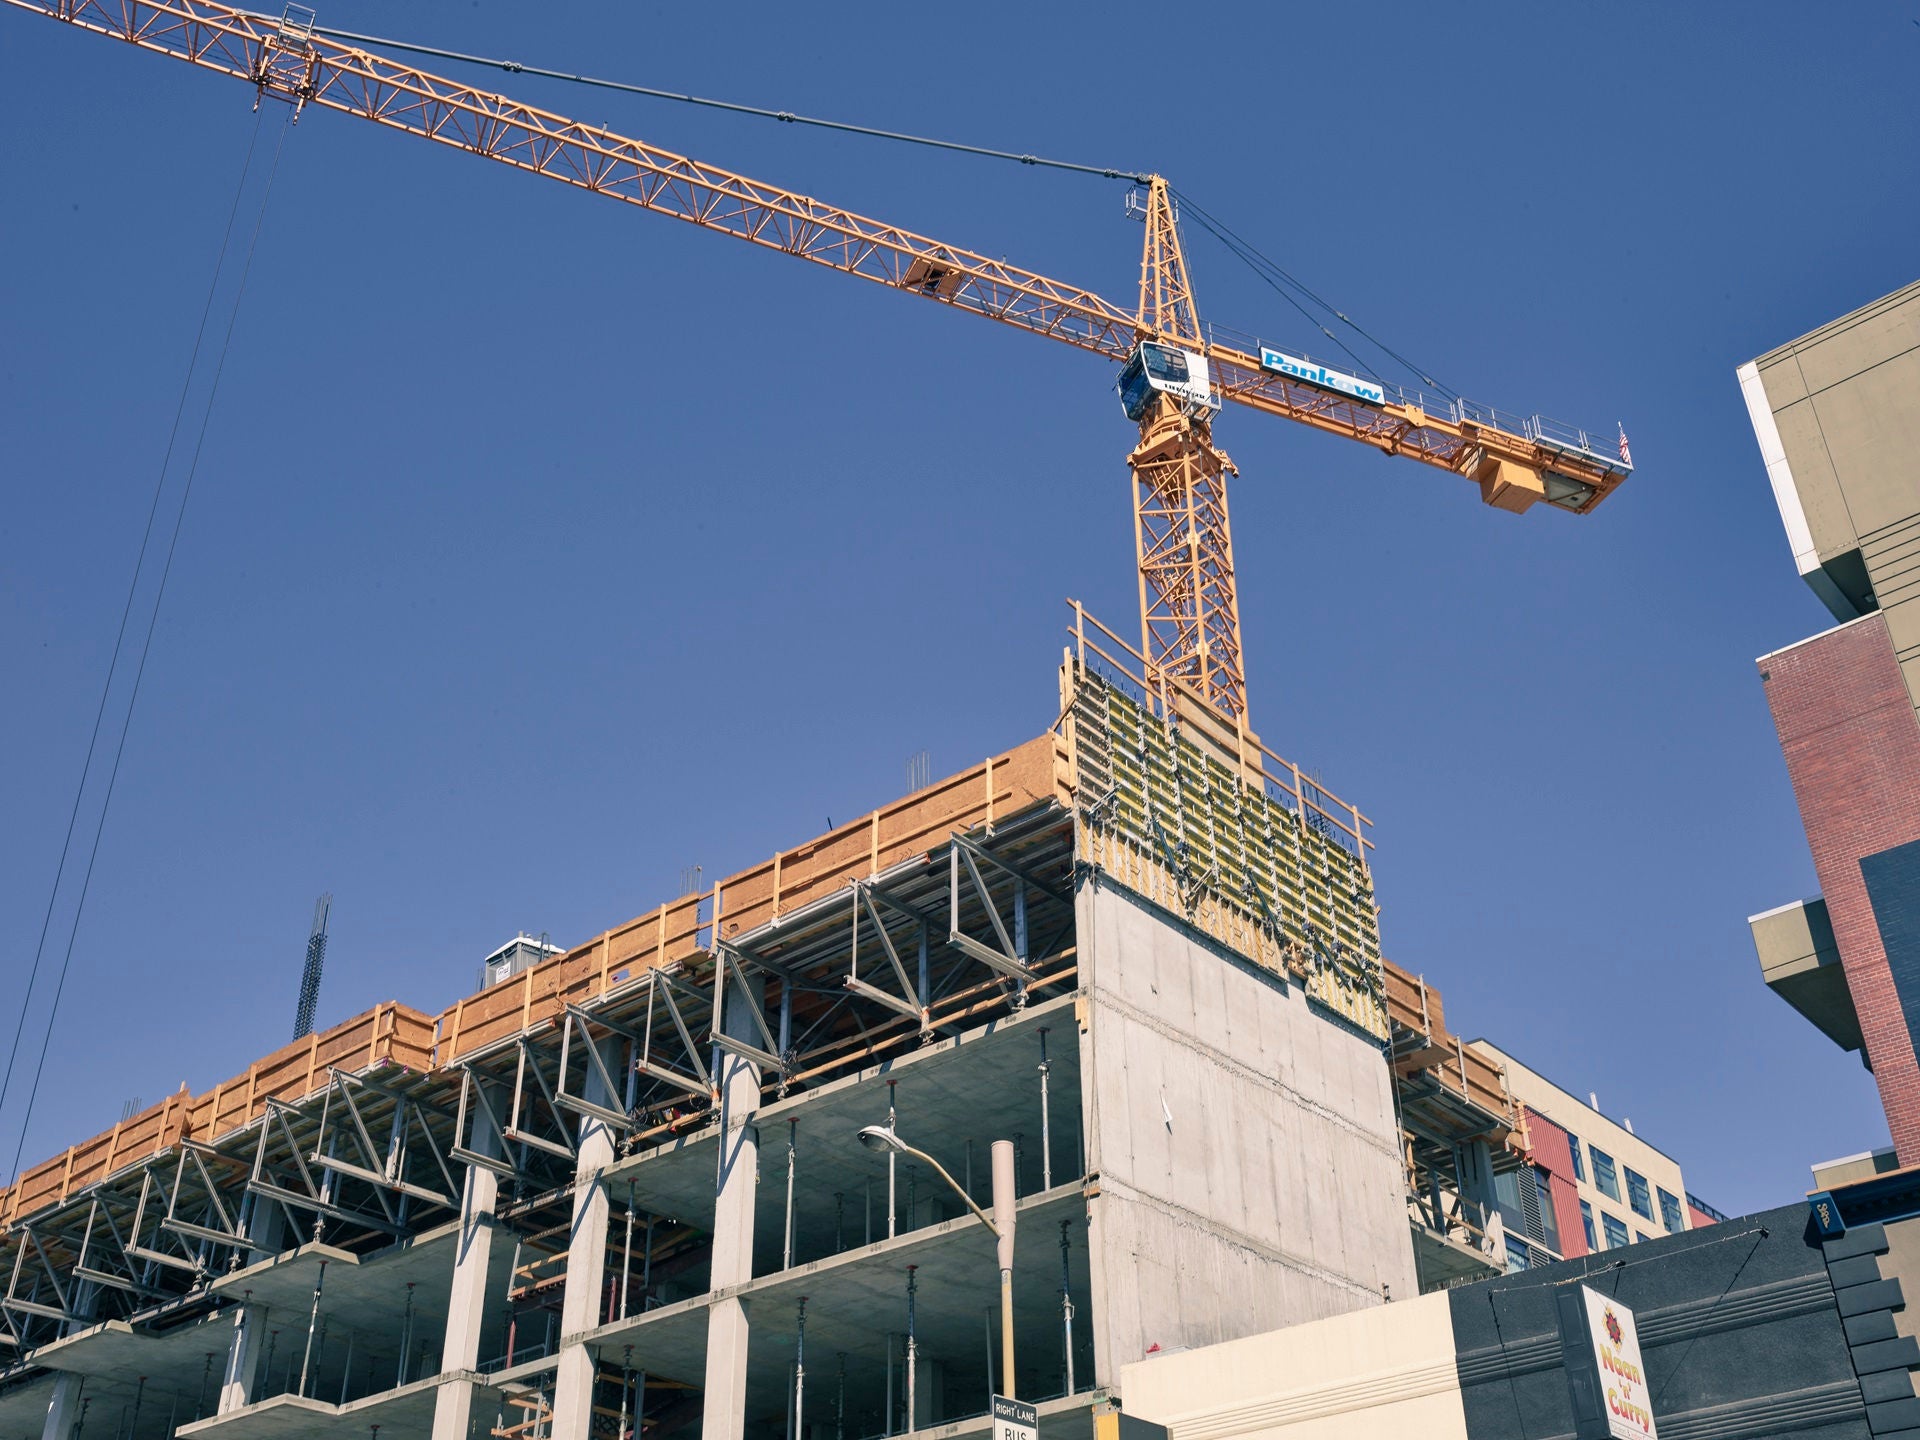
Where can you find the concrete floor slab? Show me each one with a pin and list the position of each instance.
(404, 1411)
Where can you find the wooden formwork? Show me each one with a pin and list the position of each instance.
(678, 933)
(1422, 1045)
(388, 1034)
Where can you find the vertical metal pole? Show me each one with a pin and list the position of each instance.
(926, 989)
(1019, 1160)
(893, 1157)
(913, 1175)
(868, 1182)
(887, 1427)
(1020, 919)
(406, 1338)
(1046, 1118)
(313, 1321)
(840, 1402)
(626, 1260)
(839, 1221)
(206, 1373)
(266, 1368)
(986, 1320)
(626, 1385)
(800, 1374)
(786, 1252)
(913, 1352)
(346, 1374)
(1066, 1300)
(968, 1187)
(139, 1395)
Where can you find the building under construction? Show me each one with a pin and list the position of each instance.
(620, 1190)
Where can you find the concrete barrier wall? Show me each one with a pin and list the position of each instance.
(1244, 1140)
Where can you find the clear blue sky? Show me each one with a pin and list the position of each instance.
(542, 547)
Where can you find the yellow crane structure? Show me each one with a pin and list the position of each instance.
(1176, 374)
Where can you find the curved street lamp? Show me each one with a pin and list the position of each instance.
(1000, 1223)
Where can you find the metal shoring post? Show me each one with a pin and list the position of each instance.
(266, 1368)
(893, 1158)
(887, 1427)
(626, 1255)
(1019, 1160)
(800, 1374)
(139, 1396)
(912, 1175)
(1066, 1300)
(786, 1249)
(840, 1402)
(646, 1267)
(992, 1349)
(406, 1337)
(926, 989)
(313, 1322)
(913, 1350)
(1046, 1118)
(346, 1372)
(839, 1221)
(206, 1373)
(626, 1384)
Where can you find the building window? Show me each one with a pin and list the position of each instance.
(1586, 1224)
(1579, 1165)
(1519, 1254)
(1638, 1236)
(1616, 1231)
(1549, 1231)
(1638, 1195)
(1670, 1215)
(1603, 1174)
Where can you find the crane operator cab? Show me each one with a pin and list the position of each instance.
(1171, 371)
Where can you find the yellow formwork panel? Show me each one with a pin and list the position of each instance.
(1169, 820)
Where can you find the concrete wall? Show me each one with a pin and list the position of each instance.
(1245, 1144)
(1379, 1374)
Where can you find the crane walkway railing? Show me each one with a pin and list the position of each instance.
(1596, 446)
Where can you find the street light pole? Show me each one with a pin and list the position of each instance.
(1000, 1224)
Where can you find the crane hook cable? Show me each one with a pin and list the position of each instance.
(785, 117)
(146, 644)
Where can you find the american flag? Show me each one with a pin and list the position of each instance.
(1626, 455)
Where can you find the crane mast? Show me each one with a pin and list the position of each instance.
(1189, 606)
(1175, 375)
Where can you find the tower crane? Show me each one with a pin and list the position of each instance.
(1176, 374)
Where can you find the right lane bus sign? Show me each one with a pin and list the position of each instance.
(1014, 1419)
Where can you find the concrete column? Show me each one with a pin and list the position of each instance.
(265, 1229)
(64, 1411)
(466, 1306)
(580, 1303)
(724, 1417)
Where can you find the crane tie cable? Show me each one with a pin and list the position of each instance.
(126, 614)
(784, 117)
(153, 619)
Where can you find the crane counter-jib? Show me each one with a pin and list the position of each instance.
(1516, 460)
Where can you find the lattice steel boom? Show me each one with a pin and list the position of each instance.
(1189, 610)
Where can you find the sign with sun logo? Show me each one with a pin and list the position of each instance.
(1609, 1381)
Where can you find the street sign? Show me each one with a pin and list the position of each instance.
(1014, 1419)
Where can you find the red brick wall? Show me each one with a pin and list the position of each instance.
(1852, 745)
(1552, 1153)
